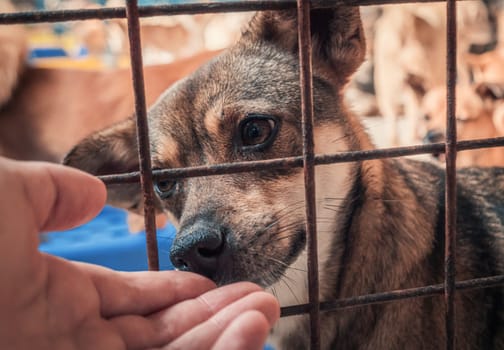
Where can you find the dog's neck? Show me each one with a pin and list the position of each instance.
(360, 237)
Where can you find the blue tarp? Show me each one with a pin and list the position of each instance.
(106, 241)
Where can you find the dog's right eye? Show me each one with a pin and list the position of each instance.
(257, 131)
(165, 188)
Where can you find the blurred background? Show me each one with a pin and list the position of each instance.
(96, 44)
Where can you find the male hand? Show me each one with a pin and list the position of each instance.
(50, 303)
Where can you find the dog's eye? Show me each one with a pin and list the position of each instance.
(427, 117)
(165, 188)
(258, 131)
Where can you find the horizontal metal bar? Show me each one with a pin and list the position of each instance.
(378, 298)
(177, 9)
(296, 162)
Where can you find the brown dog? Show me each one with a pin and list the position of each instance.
(474, 121)
(380, 222)
(52, 109)
(13, 50)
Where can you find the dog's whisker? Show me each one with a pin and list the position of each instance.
(284, 279)
(333, 198)
(339, 139)
(279, 262)
(277, 239)
(334, 208)
(274, 292)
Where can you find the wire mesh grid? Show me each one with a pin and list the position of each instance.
(308, 160)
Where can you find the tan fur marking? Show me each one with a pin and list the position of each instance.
(168, 152)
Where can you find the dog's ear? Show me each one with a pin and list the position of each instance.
(110, 151)
(338, 40)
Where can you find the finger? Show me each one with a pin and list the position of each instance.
(161, 328)
(205, 335)
(57, 197)
(247, 332)
(142, 293)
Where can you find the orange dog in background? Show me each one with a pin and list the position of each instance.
(475, 120)
(51, 109)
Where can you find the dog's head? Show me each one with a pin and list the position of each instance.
(243, 105)
(473, 111)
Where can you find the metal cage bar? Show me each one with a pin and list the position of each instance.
(308, 160)
(306, 87)
(451, 174)
(142, 133)
(180, 9)
(296, 162)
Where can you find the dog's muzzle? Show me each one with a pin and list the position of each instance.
(201, 248)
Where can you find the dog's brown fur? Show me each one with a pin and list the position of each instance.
(380, 222)
(13, 50)
(52, 109)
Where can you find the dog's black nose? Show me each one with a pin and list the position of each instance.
(433, 136)
(199, 248)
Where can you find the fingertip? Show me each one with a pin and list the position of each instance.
(270, 306)
(59, 197)
(79, 198)
(248, 331)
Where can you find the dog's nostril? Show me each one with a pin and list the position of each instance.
(181, 264)
(210, 248)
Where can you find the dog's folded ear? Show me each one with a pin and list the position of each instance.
(111, 151)
(337, 36)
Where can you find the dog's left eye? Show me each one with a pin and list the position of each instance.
(258, 131)
(165, 188)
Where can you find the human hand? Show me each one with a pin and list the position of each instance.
(51, 303)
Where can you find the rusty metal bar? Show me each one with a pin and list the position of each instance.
(296, 162)
(451, 175)
(177, 9)
(142, 133)
(379, 298)
(306, 85)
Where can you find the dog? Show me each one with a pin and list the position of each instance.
(13, 50)
(380, 222)
(475, 120)
(36, 127)
(487, 67)
(410, 44)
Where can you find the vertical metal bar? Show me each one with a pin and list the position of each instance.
(306, 85)
(451, 184)
(142, 132)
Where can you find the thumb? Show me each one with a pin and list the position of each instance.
(58, 197)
